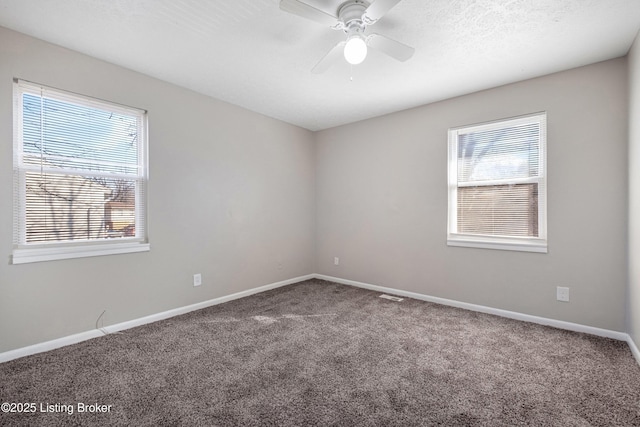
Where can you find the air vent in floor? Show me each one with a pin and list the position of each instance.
(391, 297)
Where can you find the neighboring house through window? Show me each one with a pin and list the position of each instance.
(497, 185)
(80, 172)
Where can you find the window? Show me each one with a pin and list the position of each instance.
(497, 185)
(80, 172)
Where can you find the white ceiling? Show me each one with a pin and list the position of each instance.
(252, 54)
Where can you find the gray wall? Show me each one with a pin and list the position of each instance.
(231, 196)
(633, 300)
(382, 201)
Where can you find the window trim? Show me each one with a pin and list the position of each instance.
(53, 253)
(527, 244)
(49, 251)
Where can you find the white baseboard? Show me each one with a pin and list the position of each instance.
(634, 348)
(49, 345)
(489, 310)
(83, 336)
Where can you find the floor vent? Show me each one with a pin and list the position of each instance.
(392, 298)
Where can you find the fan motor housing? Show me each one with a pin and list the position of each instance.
(352, 11)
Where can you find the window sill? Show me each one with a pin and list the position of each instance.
(498, 243)
(39, 254)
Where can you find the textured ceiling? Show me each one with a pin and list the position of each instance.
(252, 54)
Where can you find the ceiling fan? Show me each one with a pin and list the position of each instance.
(354, 16)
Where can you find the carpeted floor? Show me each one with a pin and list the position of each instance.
(319, 354)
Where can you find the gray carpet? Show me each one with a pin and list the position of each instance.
(319, 354)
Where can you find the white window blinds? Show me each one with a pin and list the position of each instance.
(497, 184)
(79, 170)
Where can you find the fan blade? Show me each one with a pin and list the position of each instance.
(329, 59)
(393, 48)
(377, 10)
(302, 9)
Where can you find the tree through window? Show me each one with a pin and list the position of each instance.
(497, 184)
(80, 170)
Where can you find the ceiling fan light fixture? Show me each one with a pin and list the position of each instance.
(355, 51)
(354, 17)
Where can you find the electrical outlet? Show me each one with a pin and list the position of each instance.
(197, 279)
(562, 294)
(336, 261)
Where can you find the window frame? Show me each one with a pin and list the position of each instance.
(25, 252)
(514, 243)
